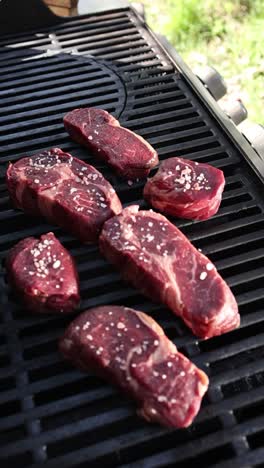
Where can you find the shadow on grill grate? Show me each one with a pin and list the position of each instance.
(52, 414)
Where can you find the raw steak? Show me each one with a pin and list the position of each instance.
(130, 349)
(157, 258)
(129, 154)
(44, 274)
(65, 190)
(186, 189)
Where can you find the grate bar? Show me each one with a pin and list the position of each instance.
(44, 91)
(75, 428)
(33, 104)
(164, 457)
(103, 40)
(248, 460)
(41, 67)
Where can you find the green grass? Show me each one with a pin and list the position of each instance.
(228, 35)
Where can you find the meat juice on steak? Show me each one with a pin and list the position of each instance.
(44, 274)
(65, 190)
(186, 189)
(129, 154)
(130, 349)
(157, 258)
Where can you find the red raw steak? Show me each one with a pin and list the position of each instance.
(129, 154)
(186, 189)
(154, 256)
(130, 349)
(44, 275)
(65, 190)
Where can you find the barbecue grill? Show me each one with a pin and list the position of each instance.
(51, 414)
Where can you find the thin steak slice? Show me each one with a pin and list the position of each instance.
(186, 189)
(157, 258)
(44, 274)
(129, 154)
(65, 190)
(130, 349)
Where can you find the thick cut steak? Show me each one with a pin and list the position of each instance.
(65, 190)
(130, 349)
(44, 274)
(129, 154)
(186, 189)
(157, 258)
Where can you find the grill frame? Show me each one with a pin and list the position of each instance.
(59, 415)
(256, 162)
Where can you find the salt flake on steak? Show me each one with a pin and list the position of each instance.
(166, 267)
(166, 385)
(45, 283)
(186, 189)
(65, 190)
(128, 153)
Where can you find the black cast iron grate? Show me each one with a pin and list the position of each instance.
(51, 414)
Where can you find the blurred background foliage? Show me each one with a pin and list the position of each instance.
(228, 34)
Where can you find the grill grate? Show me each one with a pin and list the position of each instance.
(52, 414)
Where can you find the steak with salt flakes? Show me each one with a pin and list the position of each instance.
(65, 190)
(126, 152)
(44, 274)
(156, 257)
(186, 189)
(130, 349)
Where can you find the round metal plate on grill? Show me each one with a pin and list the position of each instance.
(47, 86)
